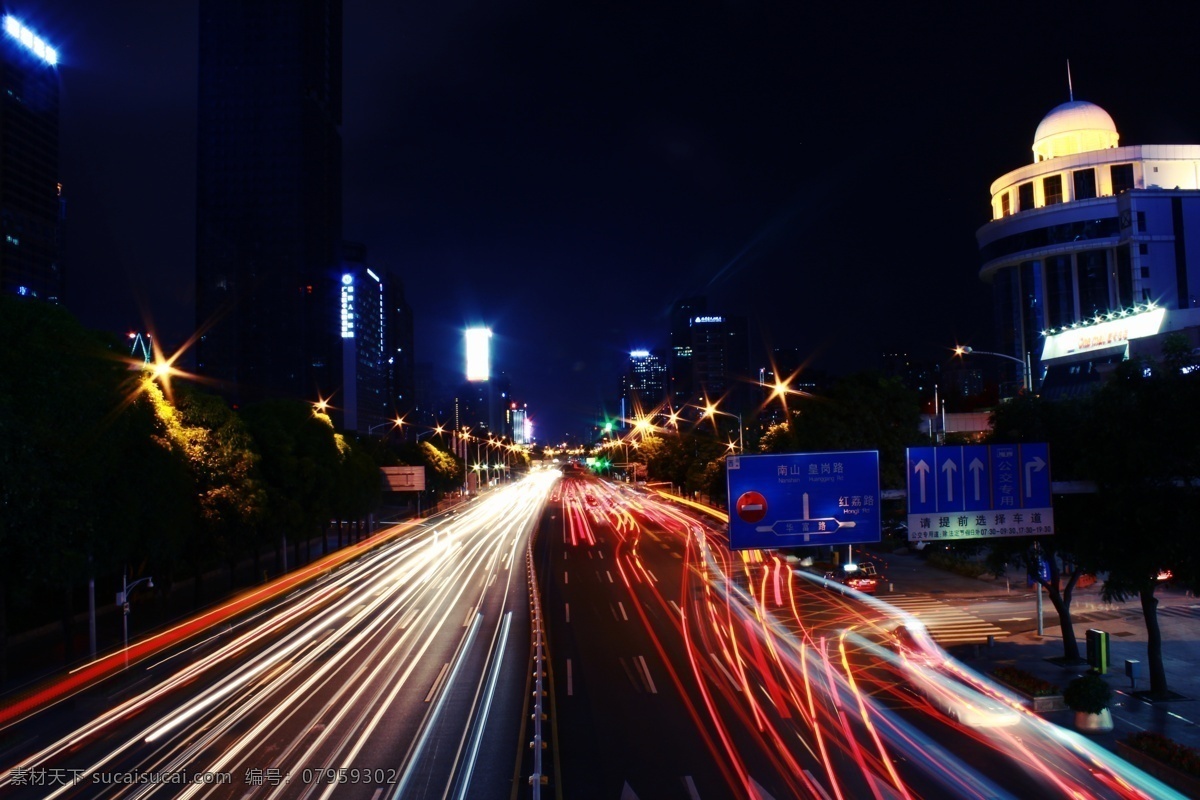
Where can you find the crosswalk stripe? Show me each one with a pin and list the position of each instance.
(946, 624)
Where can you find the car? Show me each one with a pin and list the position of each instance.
(860, 579)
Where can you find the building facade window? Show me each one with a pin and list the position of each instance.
(1060, 291)
(1025, 197)
(1124, 276)
(1141, 218)
(1122, 177)
(1092, 269)
(1052, 189)
(1085, 183)
(1005, 208)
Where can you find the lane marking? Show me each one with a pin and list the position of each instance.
(407, 618)
(441, 675)
(737, 687)
(690, 785)
(609, 574)
(567, 607)
(565, 576)
(470, 615)
(624, 616)
(646, 675)
(570, 681)
(678, 610)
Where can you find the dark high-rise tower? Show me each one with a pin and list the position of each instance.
(30, 204)
(269, 197)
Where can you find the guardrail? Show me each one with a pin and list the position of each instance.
(538, 778)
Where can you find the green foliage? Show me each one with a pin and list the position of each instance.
(865, 411)
(300, 462)
(1088, 693)
(681, 459)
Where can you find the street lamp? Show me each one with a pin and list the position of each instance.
(438, 430)
(1026, 374)
(397, 422)
(123, 599)
(710, 409)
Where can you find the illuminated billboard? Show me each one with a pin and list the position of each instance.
(30, 40)
(478, 354)
(1111, 330)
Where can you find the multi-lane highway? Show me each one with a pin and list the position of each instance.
(675, 669)
(400, 674)
(683, 670)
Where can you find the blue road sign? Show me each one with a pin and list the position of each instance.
(803, 499)
(977, 491)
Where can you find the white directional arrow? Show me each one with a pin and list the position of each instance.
(949, 467)
(922, 469)
(1037, 465)
(976, 467)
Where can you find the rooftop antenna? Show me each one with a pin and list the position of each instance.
(1070, 88)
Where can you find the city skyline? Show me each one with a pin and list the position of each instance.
(565, 177)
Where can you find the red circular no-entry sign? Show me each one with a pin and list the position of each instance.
(751, 507)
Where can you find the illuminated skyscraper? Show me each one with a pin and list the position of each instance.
(269, 175)
(30, 194)
(645, 382)
(377, 339)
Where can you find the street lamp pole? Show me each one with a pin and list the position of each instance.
(711, 409)
(126, 588)
(397, 422)
(1026, 374)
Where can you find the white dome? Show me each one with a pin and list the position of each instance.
(1074, 127)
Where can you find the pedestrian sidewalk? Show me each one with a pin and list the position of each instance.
(1179, 622)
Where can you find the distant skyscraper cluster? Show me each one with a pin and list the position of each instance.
(31, 206)
(708, 360)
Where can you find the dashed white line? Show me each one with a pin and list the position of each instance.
(567, 608)
(721, 666)
(624, 616)
(441, 675)
(570, 680)
(645, 670)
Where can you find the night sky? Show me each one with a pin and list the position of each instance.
(563, 172)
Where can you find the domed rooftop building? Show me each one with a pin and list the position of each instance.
(1093, 250)
(1074, 127)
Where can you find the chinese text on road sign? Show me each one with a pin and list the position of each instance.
(978, 491)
